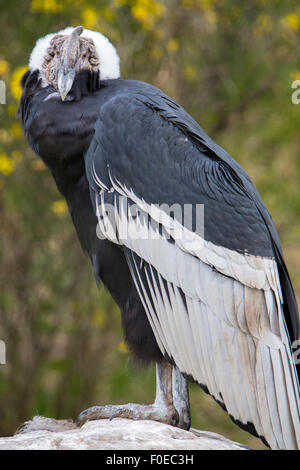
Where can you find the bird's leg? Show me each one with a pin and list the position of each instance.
(171, 405)
(181, 399)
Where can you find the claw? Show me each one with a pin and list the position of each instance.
(114, 415)
(87, 415)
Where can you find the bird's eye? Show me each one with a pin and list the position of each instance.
(84, 56)
(57, 53)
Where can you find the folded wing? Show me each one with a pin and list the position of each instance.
(213, 294)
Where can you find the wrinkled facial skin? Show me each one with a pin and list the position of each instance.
(82, 56)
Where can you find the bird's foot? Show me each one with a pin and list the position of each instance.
(171, 404)
(133, 411)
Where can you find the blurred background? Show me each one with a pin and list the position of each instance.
(231, 65)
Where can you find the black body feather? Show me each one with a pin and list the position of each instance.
(60, 133)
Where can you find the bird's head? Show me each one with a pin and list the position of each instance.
(61, 56)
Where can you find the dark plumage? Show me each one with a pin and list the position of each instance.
(118, 138)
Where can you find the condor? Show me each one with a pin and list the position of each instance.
(214, 306)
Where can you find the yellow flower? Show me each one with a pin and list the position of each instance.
(59, 208)
(147, 12)
(292, 21)
(4, 67)
(7, 165)
(295, 75)
(15, 86)
(48, 6)
(173, 45)
(16, 129)
(123, 348)
(190, 72)
(263, 26)
(99, 319)
(89, 18)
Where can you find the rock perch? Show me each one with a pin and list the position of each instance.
(118, 434)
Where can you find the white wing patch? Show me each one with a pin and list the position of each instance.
(253, 271)
(217, 314)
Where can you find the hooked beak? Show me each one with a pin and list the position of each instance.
(66, 73)
(65, 82)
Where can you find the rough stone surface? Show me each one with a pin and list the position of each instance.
(117, 434)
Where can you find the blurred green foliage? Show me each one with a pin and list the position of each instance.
(231, 65)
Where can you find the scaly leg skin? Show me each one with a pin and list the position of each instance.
(171, 405)
(181, 399)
